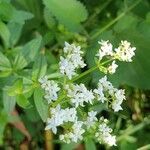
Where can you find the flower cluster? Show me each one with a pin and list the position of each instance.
(91, 119)
(106, 91)
(123, 53)
(68, 111)
(103, 134)
(75, 135)
(59, 117)
(51, 89)
(79, 94)
(71, 61)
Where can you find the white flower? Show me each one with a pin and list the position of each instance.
(51, 89)
(72, 60)
(103, 134)
(112, 68)
(51, 125)
(79, 94)
(104, 86)
(60, 116)
(78, 131)
(75, 135)
(125, 52)
(67, 67)
(110, 140)
(119, 97)
(105, 49)
(100, 94)
(43, 81)
(91, 119)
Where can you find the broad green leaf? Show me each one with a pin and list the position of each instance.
(49, 19)
(39, 67)
(8, 102)
(20, 16)
(90, 145)
(22, 101)
(15, 32)
(4, 34)
(68, 12)
(41, 107)
(27, 54)
(6, 11)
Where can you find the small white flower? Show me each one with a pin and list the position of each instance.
(78, 131)
(51, 89)
(75, 135)
(91, 119)
(79, 94)
(125, 52)
(112, 68)
(103, 134)
(72, 60)
(119, 96)
(67, 68)
(100, 94)
(105, 49)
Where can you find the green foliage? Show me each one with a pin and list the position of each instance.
(71, 14)
(32, 34)
(90, 145)
(41, 107)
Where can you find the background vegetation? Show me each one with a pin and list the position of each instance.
(32, 34)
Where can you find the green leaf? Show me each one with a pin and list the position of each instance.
(6, 11)
(90, 145)
(8, 102)
(16, 88)
(15, 32)
(28, 53)
(4, 62)
(39, 67)
(41, 107)
(70, 146)
(5, 66)
(22, 101)
(4, 34)
(20, 16)
(3, 123)
(49, 19)
(68, 12)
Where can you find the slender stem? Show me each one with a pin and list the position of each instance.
(84, 73)
(91, 70)
(115, 20)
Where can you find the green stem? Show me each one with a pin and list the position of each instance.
(115, 20)
(91, 70)
(84, 73)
